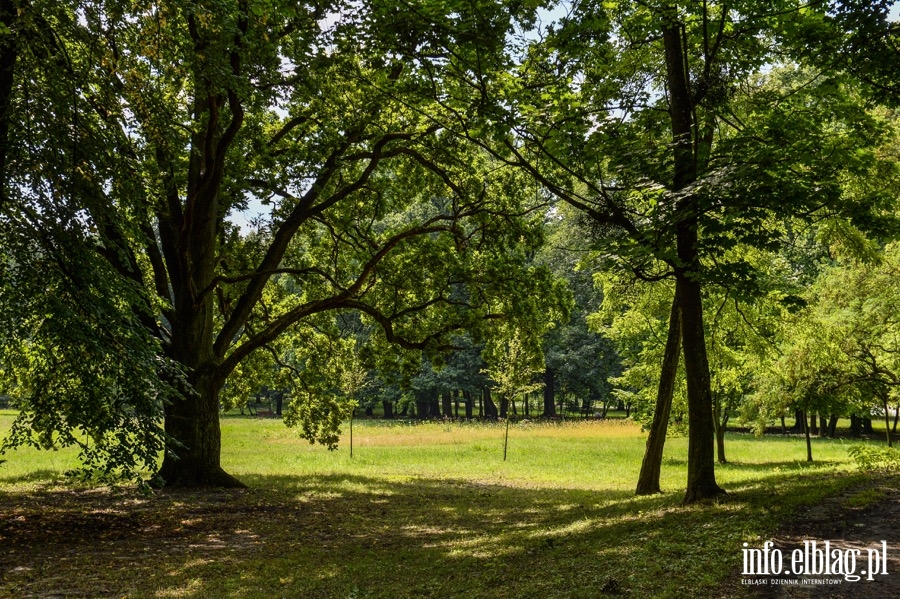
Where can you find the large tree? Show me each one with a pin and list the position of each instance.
(138, 131)
(661, 123)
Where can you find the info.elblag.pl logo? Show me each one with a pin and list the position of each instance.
(816, 560)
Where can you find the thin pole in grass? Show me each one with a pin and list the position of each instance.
(506, 438)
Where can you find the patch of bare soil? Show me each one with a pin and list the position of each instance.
(857, 520)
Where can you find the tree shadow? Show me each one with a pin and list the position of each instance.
(45, 475)
(340, 535)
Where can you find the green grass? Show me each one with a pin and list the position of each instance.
(421, 510)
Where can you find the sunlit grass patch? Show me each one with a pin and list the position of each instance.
(435, 512)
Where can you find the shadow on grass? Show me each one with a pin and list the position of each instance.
(45, 475)
(795, 465)
(358, 536)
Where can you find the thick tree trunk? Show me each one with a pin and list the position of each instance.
(867, 426)
(855, 425)
(446, 404)
(194, 423)
(798, 422)
(813, 424)
(823, 425)
(388, 408)
(467, 396)
(490, 408)
(648, 480)
(422, 409)
(887, 421)
(504, 407)
(434, 407)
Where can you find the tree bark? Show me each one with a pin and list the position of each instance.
(549, 393)
(490, 408)
(422, 409)
(651, 466)
(446, 404)
(194, 423)
(798, 422)
(855, 425)
(467, 397)
(388, 408)
(823, 426)
(701, 479)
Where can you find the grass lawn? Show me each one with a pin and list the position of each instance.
(421, 510)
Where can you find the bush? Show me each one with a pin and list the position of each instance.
(875, 459)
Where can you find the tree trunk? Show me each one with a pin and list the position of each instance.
(867, 426)
(456, 403)
(549, 393)
(446, 405)
(194, 423)
(798, 422)
(783, 426)
(504, 407)
(823, 426)
(855, 425)
(434, 406)
(813, 424)
(422, 409)
(896, 418)
(809, 457)
(648, 480)
(490, 407)
(701, 476)
(467, 397)
(721, 422)
(388, 408)
(887, 421)
(701, 457)
(832, 426)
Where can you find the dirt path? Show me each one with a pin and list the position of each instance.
(857, 520)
